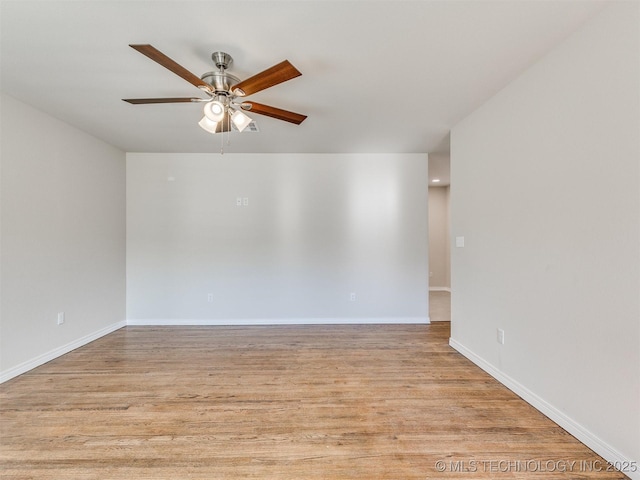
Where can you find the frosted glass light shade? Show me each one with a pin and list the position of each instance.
(214, 111)
(208, 125)
(240, 120)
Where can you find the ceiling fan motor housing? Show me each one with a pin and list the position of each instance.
(221, 81)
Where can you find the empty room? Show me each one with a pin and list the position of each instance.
(221, 258)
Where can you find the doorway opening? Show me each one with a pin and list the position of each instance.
(439, 238)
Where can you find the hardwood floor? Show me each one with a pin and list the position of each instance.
(285, 402)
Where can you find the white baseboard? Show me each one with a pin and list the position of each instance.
(274, 321)
(574, 428)
(57, 352)
(440, 289)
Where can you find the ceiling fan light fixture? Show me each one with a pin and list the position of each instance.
(240, 120)
(221, 111)
(208, 125)
(214, 111)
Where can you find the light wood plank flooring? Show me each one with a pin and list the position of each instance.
(295, 402)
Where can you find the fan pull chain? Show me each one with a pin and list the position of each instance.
(222, 141)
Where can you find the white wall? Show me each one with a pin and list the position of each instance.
(317, 228)
(439, 239)
(548, 257)
(63, 237)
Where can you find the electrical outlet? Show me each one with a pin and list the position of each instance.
(239, 201)
(60, 318)
(245, 201)
(500, 336)
(210, 297)
(352, 297)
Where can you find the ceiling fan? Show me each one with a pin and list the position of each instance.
(225, 104)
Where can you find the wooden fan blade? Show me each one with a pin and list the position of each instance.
(274, 112)
(271, 76)
(159, 57)
(141, 101)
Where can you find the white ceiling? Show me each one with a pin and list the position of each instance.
(378, 76)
